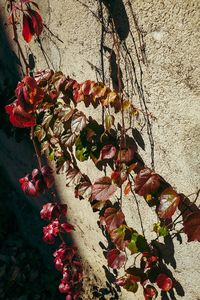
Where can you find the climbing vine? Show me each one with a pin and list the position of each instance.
(49, 103)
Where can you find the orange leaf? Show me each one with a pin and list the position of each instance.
(127, 188)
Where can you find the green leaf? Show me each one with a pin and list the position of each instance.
(164, 231)
(82, 154)
(132, 245)
(51, 155)
(142, 244)
(131, 287)
(138, 243)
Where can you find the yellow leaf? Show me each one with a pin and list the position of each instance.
(126, 105)
(148, 197)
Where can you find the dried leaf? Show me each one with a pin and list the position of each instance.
(78, 122)
(68, 139)
(109, 122)
(62, 166)
(44, 146)
(58, 128)
(169, 200)
(111, 97)
(103, 189)
(83, 190)
(40, 133)
(73, 176)
(47, 119)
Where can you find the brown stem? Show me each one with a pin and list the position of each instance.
(17, 40)
(36, 149)
(61, 238)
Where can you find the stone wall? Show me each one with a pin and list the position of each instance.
(170, 81)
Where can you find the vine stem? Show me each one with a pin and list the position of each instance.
(16, 40)
(36, 149)
(61, 238)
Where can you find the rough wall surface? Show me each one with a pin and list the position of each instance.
(171, 80)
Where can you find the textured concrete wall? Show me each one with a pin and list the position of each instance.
(171, 85)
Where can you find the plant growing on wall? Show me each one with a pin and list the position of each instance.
(49, 104)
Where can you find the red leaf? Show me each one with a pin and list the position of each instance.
(126, 155)
(146, 182)
(29, 95)
(103, 189)
(169, 200)
(192, 226)
(18, 117)
(164, 282)
(28, 188)
(116, 259)
(127, 188)
(36, 21)
(67, 227)
(52, 211)
(121, 236)
(113, 218)
(48, 177)
(108, 152)
(27, 30)
(150, 292)
(87, 86)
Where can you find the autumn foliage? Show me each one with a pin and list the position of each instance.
(49, 103)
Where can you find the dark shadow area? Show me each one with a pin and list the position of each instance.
(118, 13)
(26, 263)
(9, 76)
(114, 68)
(27, 270)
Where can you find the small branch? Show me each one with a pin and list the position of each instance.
(17, 40)
(36, 149)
